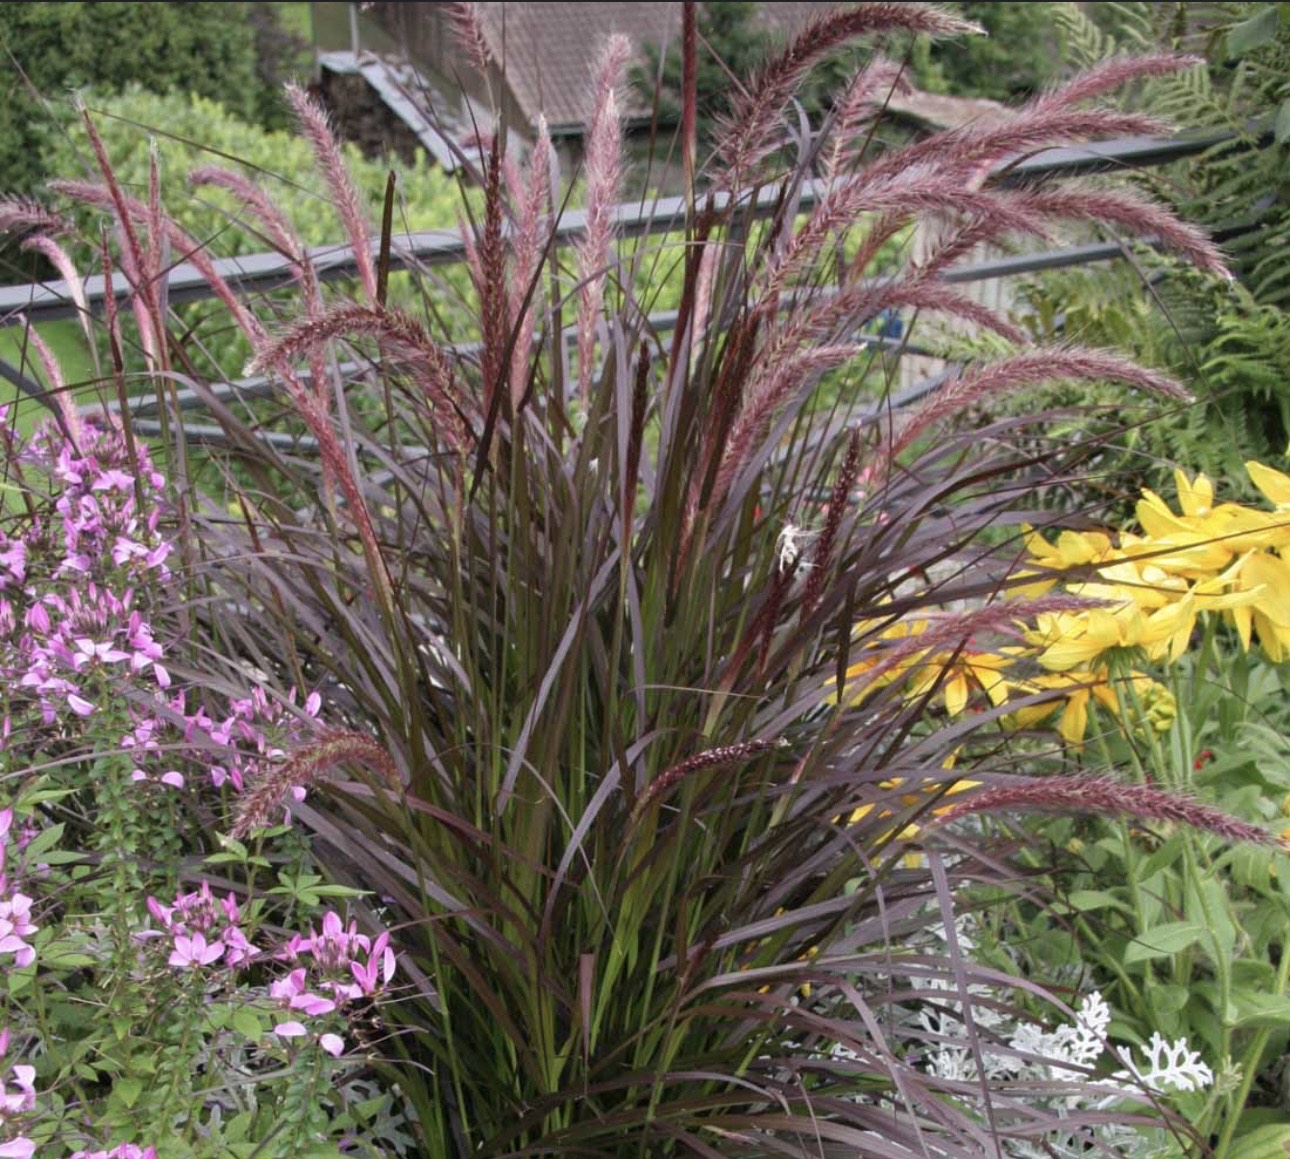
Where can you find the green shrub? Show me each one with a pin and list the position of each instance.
(199, 48)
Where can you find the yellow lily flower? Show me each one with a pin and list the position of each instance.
(963, 672)
(1274, 485)
(1071, 640)
(1072, 549)
(1083, 687)
(1266, 578)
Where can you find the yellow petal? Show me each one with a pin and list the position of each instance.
(1074, 722)
(1274, 485)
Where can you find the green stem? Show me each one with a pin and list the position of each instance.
(1240, 1097)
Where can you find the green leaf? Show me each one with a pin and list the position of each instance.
(1161, 941)
(1281, 127)
(237, 1128)
(1258, 30)
(1270, 1142)
(1252, 1010)
(127, 1091)
(1168, 999)
(247, 1023)
(121, 1028)
(1085, 900)
(55, 958)
(45, 840)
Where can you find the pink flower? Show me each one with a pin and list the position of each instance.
(21, 1148)
(290, 1030)
(377, 971)
(24, 1099)
(194, 951)
(237, 948)
(291, 991)
(333, 1044)
(79, 705)
(15, 926)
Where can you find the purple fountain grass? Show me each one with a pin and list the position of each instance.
(1112, 74)
(1027, 369)
(528, 248)
(839, 504)
(926, 191)
(71, 417)
(690, 96)
(193, 251)
(767, 391)
(276, 227)
(134, 257)
(492, 285)
(281, 234)
(336, 464)
(468, 31)
(60, 259)
(1135, 213)
(866, 95)
(715, 758)
(603, 167)
(424, 359)
(748, 133)
(316, 127)
(1094, 796)
(263, 802)
(973, 150)
(22, 215)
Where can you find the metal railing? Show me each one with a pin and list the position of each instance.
(260, 273)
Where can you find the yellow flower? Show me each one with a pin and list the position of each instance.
(1205, 538)
(1274, 485)
(1072, 549)
(1080, 688)
(1076, 640)
(962, 673)
(1266, 579)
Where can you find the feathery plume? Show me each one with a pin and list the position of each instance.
(404, 335)
(1100, 795)
(59, 258)
(689, 95)
(262, 803)
(1034, 366)
(866, 93)
(603, 166)
(747, 134)
(316, 127)
(272, 222)
(134, 259)
(1113, 74)
(767, 393)
(190, 249)
(491, 252)
(731, 754)
(22, 215)
(839, 502)
(1128, 209)
(468, 31)
(71, 417)
(528, 248)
